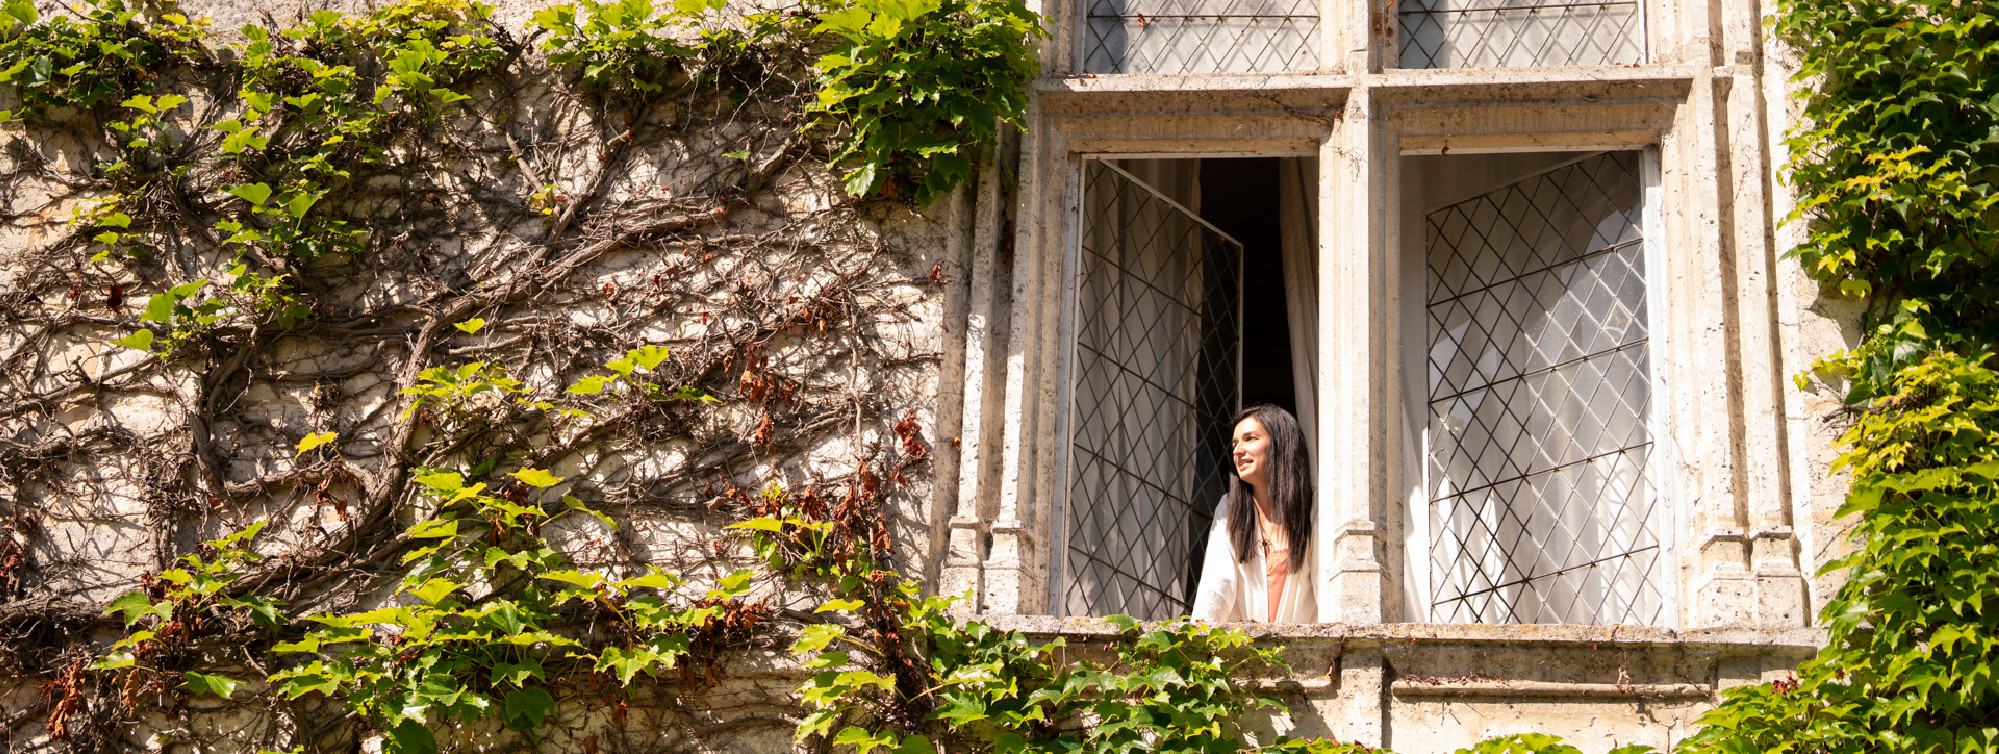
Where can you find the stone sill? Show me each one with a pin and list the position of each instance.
(1623, 82)
(1798, 641)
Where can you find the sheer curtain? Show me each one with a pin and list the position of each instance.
(1298, 195)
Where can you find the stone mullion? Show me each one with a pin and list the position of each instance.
(1353, 371)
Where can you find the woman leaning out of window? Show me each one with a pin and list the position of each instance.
(1256, 564)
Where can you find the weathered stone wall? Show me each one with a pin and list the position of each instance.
(819, 324)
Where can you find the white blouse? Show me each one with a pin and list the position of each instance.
(1234, 591)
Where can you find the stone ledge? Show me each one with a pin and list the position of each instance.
(1801, 641)
(1548, 689)
(1392, 86)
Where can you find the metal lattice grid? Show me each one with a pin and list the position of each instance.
(1510, 33)
(1200, 36)
(1157, 373)
(1542, 507)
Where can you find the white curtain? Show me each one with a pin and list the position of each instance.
(1298, 216)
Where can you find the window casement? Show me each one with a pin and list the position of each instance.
(1157, 365)
(1538, 500)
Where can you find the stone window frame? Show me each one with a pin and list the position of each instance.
(1728, 476)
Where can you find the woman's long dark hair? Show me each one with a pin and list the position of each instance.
(1290, 481)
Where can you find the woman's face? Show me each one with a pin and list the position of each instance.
(1252, 452)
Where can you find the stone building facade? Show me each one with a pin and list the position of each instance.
(1412, 121)
(1365, 124)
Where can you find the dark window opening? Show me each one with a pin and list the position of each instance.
(1239, 195)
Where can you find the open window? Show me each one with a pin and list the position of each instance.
(1193, 298)
(1535, 487)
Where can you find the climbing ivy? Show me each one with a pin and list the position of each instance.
(911, 95)
(1894, 164)
(917, 89)
(106, 53)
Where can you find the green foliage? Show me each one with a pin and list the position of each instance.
(471, 626)
(1893, 163)
(627, 49)
(632, 374)
(1909, 663)
(913, 91)
(1178, 687)
(484, 612)
(335, 95)
(471, 633)
(917, 89)
(181, 606)
(108, 52)
(450, 390)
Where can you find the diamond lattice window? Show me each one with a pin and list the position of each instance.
(1509, 33)
(1541, 503)
(1157, 372)
(1200, 36)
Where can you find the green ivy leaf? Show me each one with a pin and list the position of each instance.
(591, 385)
(734, 584)
(537, 478)
(647, 357)
(526, 708)
(442, 482)
(218, 685)
(410, 737)
(656, 580)
(301, 204)
(517, 673)
(435, 590)
(760, 524)
(159, 308)
(625, 663)
(263, 610)
(23, 11)
(585, 580)
(254, 193)
(434, 529)
(862, 182)
(863, 740)
(114, 660)
(577, 505)
(136, 341)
